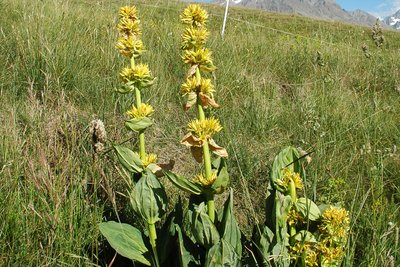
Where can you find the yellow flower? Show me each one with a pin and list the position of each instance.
(191, 85)
(335, 224)
(204, 129)
(128, 27)
(149, 159)
(130, 46)
(295, 218)
(288, 176)
(330, 253)
(144, 110)
(194, 15)
(194, 38)
(306, 249)
(200, 179)
(129, 12)
(200, 57)
(139, 75)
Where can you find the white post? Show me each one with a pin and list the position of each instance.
(225, 16)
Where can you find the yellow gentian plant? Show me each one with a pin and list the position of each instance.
(147, 196)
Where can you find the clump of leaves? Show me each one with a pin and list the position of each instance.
(297, 232)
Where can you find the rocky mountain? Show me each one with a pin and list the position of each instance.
(394, 20)
(324, 9)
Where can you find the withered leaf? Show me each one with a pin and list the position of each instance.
(191, 71)
(216, 149)
(190, 140)
(197, 153)
(191, 99)
(207, 101)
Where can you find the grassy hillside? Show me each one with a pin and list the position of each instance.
(59, 69)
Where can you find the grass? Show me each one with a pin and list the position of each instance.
(59, 69)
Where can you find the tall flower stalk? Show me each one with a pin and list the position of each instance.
(147, 197)
(198, 92)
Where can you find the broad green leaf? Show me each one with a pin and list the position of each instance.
(202, 228)
(126, 240)
(172, 245)
(280, 255)
(305, 236)
(138, 125)
(222, 254)
(222, 180)
(185, 257)
(148, 198)
(263, 241)
(230, 229)
(307, 208)
(129, 159)
(287, 158)
(184, 183)
(281, 210)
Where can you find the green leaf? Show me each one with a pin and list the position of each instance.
(280, 255)
(138, 125)
(202, 228)
(172, 240)
(222, 180)
(263, 241)
(148, 198)
(281, 210)
(230, 229)
(307, 208)
(185, 257)
(126, 240)
(305, 236)
(287, 158)
(222, 254)
(129, 159)
(184, 183)
(125, 89)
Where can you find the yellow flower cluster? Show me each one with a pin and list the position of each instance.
(330, 253)
(194, 38)
(129, 29)
(201, 58)
(130, 46)
(149, 159)
(205, 86)
(307, 250)
(295, 218)
(289, 176)
(204, 181)
(144, 110)
(204, 129)
(335, 224)
(194, 16)
(139, 75)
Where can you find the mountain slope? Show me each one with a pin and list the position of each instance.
(325, 9)
(394, 20)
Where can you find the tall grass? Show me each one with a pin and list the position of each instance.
(58, 72)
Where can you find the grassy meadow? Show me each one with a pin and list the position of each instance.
(281, 80)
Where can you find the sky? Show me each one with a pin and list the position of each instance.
(379, 8)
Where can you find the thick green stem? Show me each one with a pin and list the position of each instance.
(153, 238)
(206, 155)
(293, 195)
(142, 148)
(211, 206)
